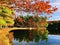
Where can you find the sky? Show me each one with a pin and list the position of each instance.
(56, 15)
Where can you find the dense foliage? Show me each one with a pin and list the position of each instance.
(31, 21)
(6, 15)
(32, 6)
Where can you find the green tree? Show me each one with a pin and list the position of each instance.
(6, 15)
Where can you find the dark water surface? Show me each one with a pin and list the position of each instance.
(52, 40)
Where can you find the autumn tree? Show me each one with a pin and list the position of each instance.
(6, 15)
(34, 6)
(31, 6)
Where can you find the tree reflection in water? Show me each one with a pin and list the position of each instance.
(26, 36)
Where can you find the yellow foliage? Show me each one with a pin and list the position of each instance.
(4, 40)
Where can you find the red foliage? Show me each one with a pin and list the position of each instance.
(1, 2)
(34, 6)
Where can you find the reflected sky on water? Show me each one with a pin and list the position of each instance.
(52, 40)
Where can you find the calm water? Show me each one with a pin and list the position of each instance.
(52, 40)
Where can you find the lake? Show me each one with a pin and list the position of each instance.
(52, 40)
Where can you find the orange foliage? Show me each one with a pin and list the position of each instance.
(38, 6)
(11, 36)
(20, 19)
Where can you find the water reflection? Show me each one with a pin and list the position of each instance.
(52, 40)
